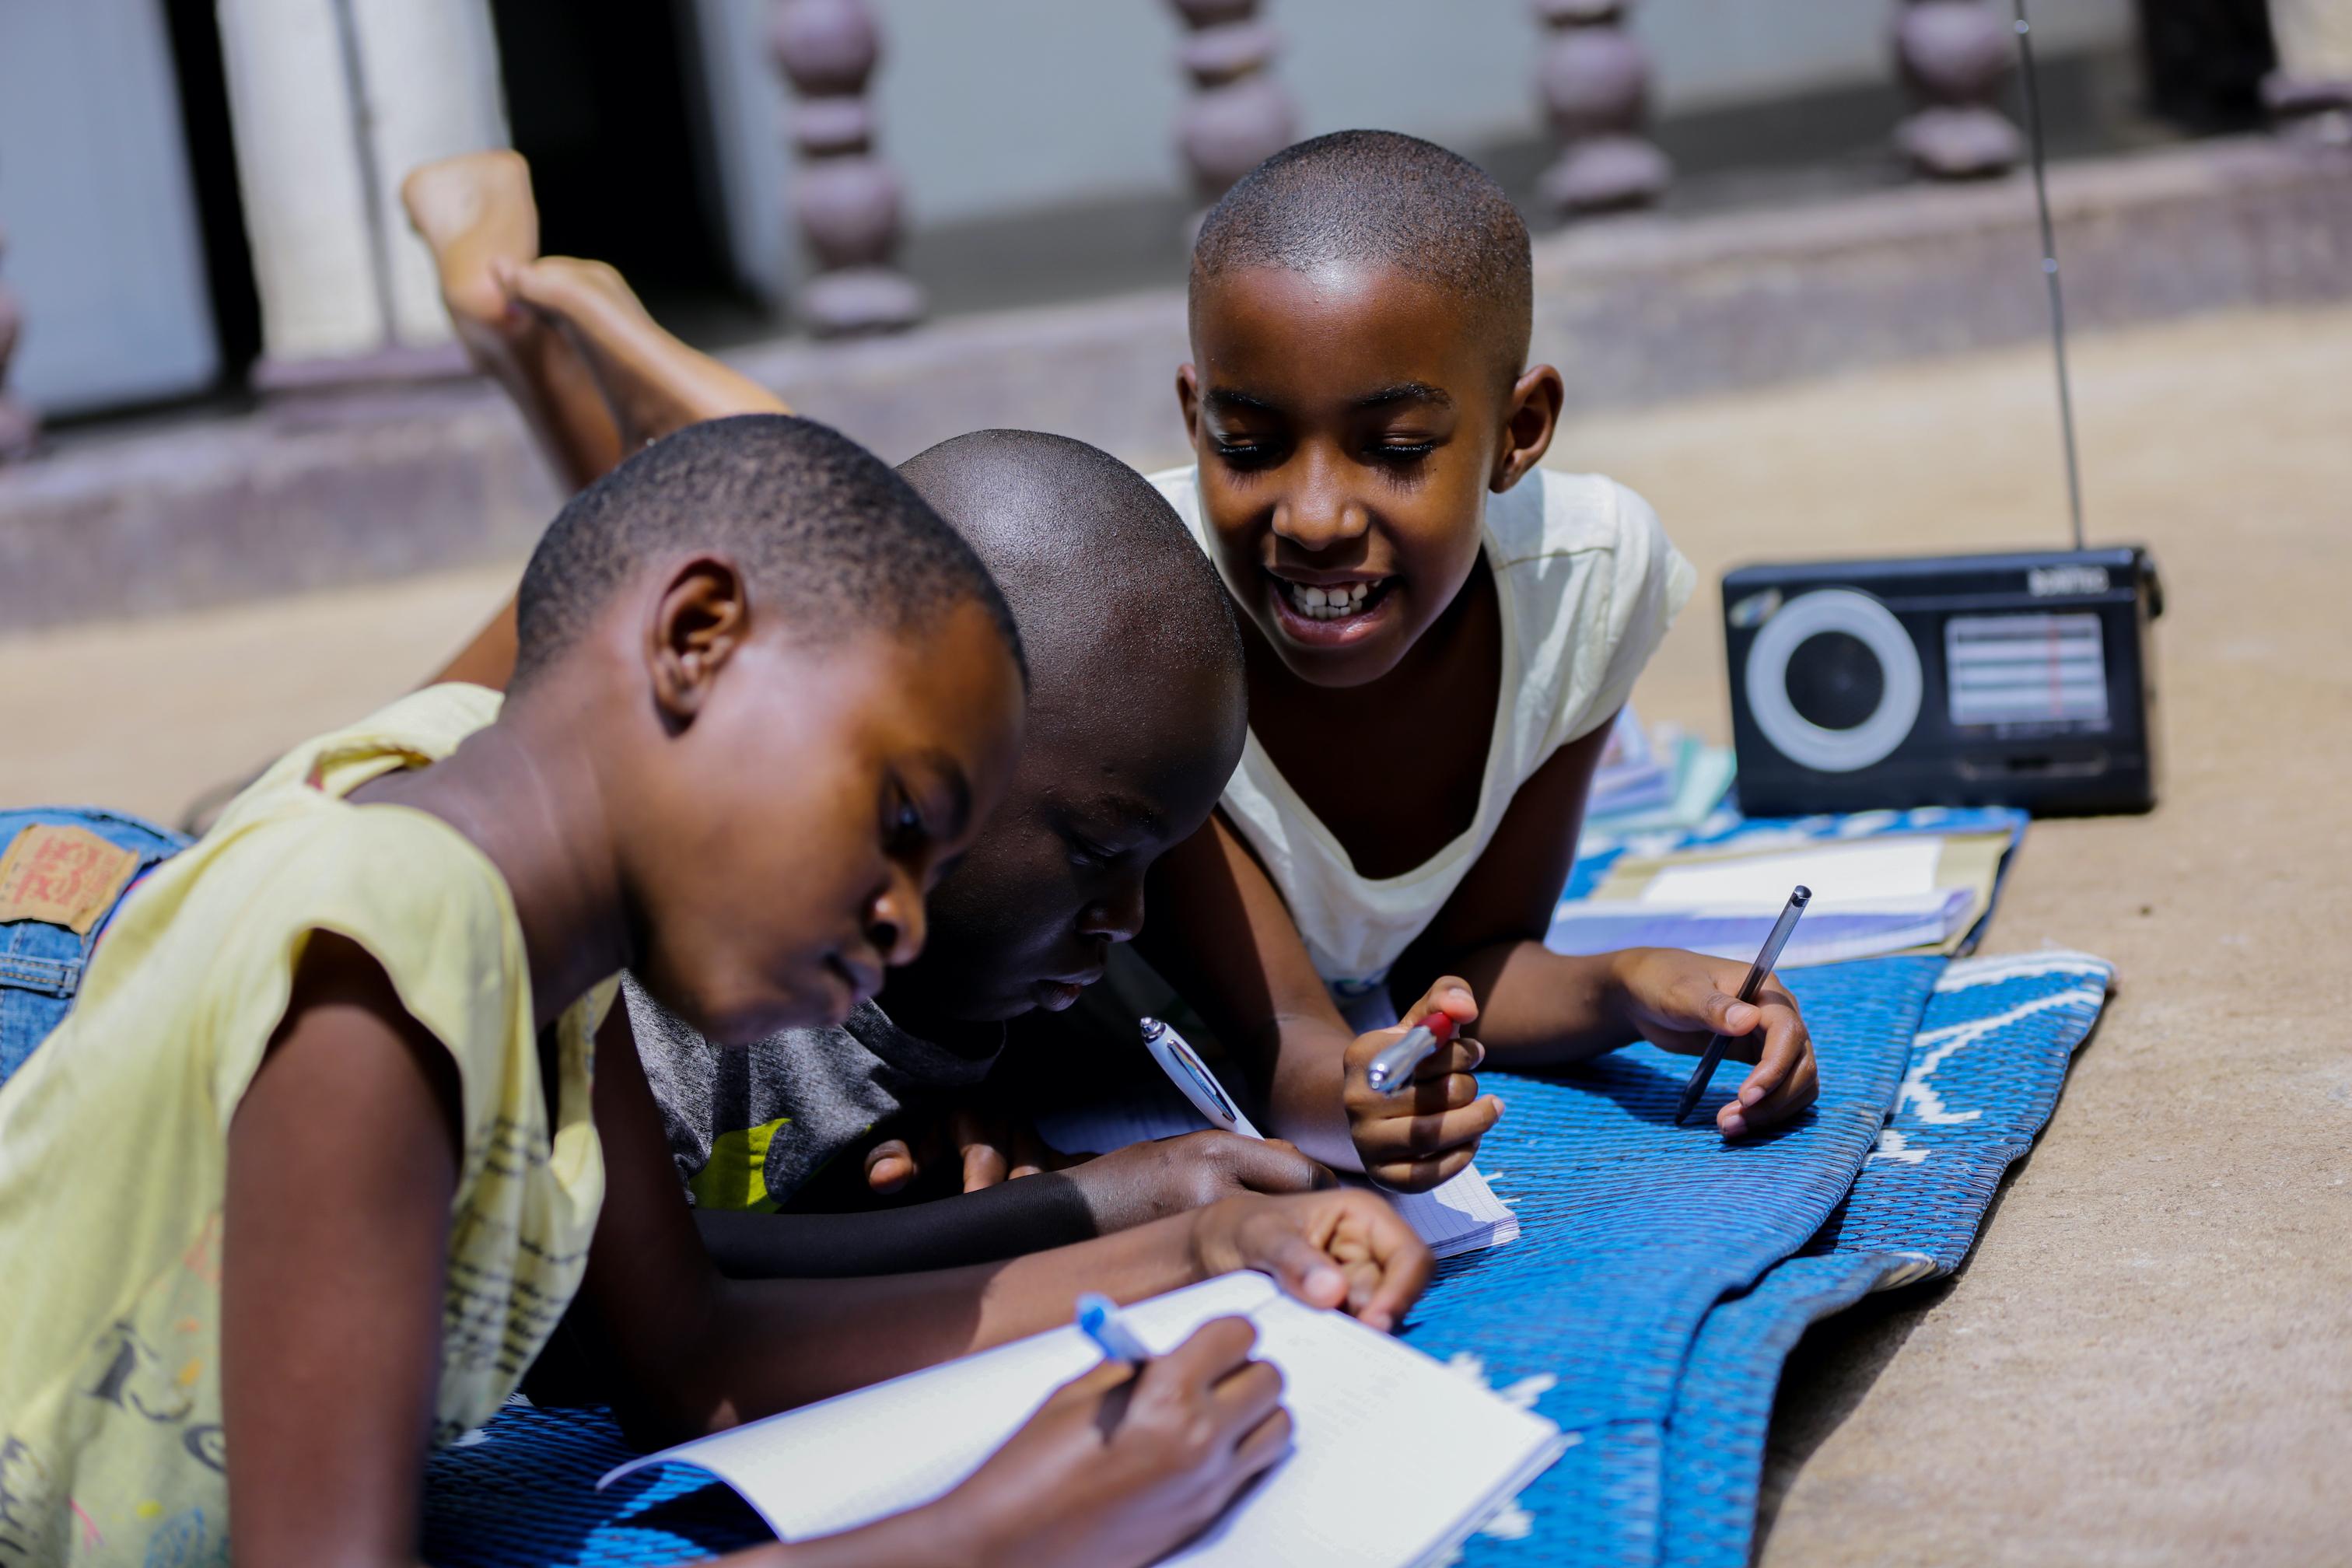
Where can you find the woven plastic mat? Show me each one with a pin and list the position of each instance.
(1985, 1072)
(1633, 1228)
(1660, 1280)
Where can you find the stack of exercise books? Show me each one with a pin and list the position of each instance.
(1396, 1458)
(1652, 781)
(1632, 776)
(1913, 882)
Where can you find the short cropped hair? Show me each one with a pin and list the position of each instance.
(826, 535)
(1096, 565)
(1386, 199)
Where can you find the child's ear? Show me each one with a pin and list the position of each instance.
(1530, 415)
(1188, 398)
(700, 617)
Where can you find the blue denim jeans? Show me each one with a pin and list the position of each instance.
(41, 964)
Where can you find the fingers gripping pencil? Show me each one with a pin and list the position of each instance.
(1756, 974)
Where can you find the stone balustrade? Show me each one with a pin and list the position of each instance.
(1238, 114)
(847, 199)
(1952, 56)
(1593, 77)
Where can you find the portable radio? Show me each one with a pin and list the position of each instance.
(2005, 680)
(2022, 678)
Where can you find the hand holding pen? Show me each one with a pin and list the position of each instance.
(1124, 1463)
(1419, 1123)
(1681, 1001)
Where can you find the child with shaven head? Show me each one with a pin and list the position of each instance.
(1439, 634)
(1135, 723)
(765, 695)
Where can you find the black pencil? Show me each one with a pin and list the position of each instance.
(1765, 960)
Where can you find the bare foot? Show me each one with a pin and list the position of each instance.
(654, 384)
(475, 213)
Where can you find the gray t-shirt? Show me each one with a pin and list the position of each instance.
(747, 1127)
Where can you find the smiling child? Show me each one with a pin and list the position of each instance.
(1439, 633)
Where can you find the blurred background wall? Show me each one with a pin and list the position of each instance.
(96, 197)
(152, 153)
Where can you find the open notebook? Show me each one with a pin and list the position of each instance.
(1457, 1215)
(1355, 1396)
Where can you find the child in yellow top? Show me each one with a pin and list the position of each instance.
(318, 1160)
(1438, 635)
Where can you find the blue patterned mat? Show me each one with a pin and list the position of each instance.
(1984, 1076)
(1631, 1230)
(1659, 1282)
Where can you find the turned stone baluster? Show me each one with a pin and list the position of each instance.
(1953, 54)
(18, 426)
(2309, 96)
(1238, 115)
(846, 198)
(1595, 78)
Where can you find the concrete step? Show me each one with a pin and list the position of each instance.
(338, 489)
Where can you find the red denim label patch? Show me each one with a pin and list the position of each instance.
(62, 876)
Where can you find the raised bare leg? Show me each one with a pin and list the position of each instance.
(476, 213)
(653, 382)
(593, 373)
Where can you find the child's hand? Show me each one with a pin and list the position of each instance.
(1429, 1128)
(1676, 999)
(1145, 1182)
(1122, 1464)
(1341, 1247)
(982, 1141)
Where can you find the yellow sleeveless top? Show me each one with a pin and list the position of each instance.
(114, 1141)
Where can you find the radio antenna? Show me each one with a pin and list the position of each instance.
(2050, 270)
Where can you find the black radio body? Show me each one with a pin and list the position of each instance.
(2010, 679)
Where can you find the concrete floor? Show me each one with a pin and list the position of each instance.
(2150, 1359)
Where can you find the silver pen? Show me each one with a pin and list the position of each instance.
(1393, 1067)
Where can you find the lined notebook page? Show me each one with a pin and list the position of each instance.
(1363, 1406)
(1459, 1215)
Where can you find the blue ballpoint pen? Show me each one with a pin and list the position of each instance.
(1099, 1319)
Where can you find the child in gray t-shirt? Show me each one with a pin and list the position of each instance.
(749, 1128)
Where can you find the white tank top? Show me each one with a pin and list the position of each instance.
(1588, 585)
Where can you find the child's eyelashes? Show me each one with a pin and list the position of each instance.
(1085, 853)
(904, 831)
(1255, 456)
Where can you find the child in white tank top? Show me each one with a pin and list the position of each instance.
(1439, 634)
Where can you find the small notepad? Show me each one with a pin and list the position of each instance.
(1396, 1458)
(1459, 1215)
